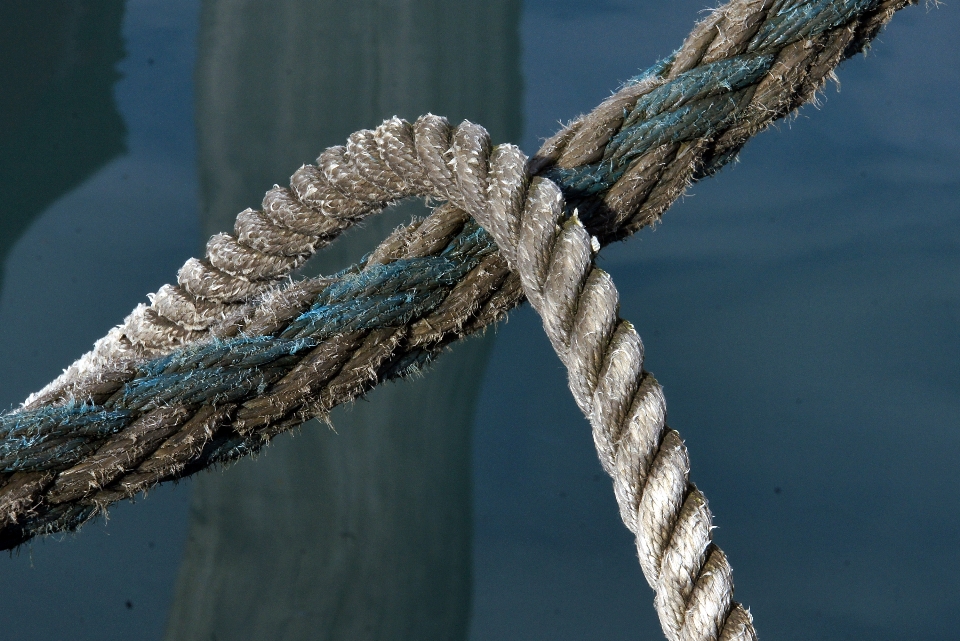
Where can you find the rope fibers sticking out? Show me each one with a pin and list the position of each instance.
(236, 353)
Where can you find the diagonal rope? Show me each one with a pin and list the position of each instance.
(236, 353)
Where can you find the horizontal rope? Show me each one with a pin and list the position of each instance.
(236, 353)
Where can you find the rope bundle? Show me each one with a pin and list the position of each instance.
(235, 353)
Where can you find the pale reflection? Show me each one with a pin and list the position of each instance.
(364, 533)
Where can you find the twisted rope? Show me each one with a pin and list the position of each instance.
(604, 358)
(236, 353)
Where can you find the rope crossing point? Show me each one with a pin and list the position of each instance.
(234, 354)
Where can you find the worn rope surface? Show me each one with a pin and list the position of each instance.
(604, 357)
(235, 353)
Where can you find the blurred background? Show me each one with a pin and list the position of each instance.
(801, 310)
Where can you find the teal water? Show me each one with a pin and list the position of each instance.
(800, 309)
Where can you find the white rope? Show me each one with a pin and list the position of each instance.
(604, 358)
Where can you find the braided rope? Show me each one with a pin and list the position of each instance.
(215, 294)
(235, 354)
(604, 358)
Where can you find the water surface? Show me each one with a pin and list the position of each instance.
(800, 309)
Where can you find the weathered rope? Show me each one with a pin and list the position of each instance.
(218, 365)
(604, 357)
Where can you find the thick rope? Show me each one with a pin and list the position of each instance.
(232, 356)
(604, 357)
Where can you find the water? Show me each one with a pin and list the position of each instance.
(800, 310)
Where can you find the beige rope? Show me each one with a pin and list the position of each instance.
(604, 358)
(243, 271)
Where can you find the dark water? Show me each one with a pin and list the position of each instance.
(801, 310)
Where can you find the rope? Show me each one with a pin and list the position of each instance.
(604, 357)
(235, 353)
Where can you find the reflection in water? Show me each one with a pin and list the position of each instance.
(118, 194)
(58, 120)
(364, 533)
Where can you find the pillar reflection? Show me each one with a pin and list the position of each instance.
(363, 533)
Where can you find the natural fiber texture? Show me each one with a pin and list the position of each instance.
(604, 357)
(236, 353)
